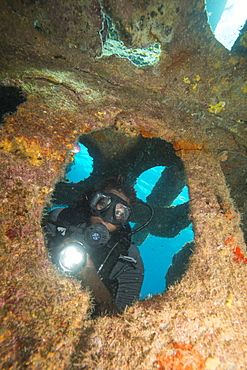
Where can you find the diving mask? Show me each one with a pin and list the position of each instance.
(110, 208)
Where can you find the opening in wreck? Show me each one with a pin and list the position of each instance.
(10, 98)
(226, 19)
(157, 173)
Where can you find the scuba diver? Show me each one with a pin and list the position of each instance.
(93, 242)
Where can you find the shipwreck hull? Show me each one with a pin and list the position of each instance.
(195, 100)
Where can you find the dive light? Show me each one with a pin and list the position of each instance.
(71, 257)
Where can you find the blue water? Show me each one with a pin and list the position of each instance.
(156, 252)
(82, 167)
(229, 19)
(146, 182)
(157, 256)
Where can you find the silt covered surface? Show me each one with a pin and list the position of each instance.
(194, 98)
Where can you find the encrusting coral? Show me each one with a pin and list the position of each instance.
(199, 323)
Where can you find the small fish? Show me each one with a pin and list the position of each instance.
(76, 149)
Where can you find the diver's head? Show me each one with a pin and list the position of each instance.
(112, 204)
(119, 184)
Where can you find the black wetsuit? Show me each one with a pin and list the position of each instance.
(124, 272)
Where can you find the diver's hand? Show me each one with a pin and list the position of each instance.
(88, 274)
(89, 277)
(90, 263)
